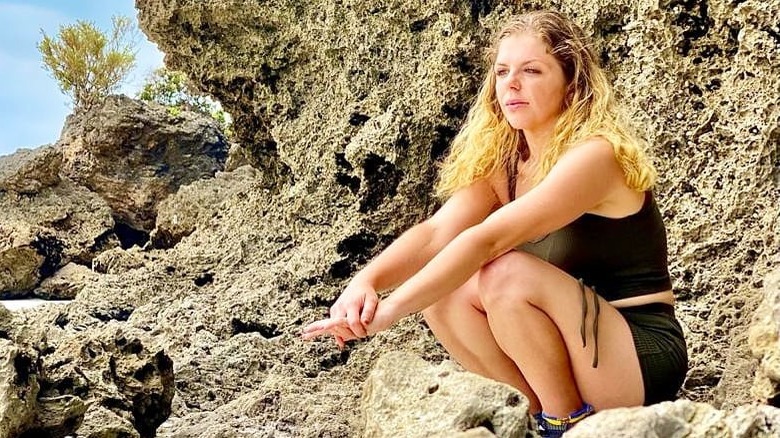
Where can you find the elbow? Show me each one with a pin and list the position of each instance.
(483, 244)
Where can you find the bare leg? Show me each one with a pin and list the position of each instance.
(535, 314)
(461, 326)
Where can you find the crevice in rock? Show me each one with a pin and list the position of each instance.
(23, 365)
(129, 236)
(64, 386)
(382, 178)
(129, 347)
(61, 320)
(151, 410)
(100, 244)
(480, 8)
(334, 360)
(694, 19)
(50, 248)
(266, 330)
(356, 250)
(203, 279)
(116, 314)
(441, 141)
(357, 119)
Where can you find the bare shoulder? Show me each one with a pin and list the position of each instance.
(594, 150)
(598, 154)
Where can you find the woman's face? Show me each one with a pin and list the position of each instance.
(530, 84)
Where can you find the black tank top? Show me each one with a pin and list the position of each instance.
(620, 258)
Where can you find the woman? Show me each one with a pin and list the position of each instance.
(546, 268)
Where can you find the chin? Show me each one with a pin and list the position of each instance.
(516, 124)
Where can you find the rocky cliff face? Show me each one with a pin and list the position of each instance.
(343, 108)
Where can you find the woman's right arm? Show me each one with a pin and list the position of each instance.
(411, 252)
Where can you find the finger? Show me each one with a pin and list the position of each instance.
(344, 333)
(353, 320)
(324, 324)
(369, 308)
(339, 341)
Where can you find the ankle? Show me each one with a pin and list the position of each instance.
(550, 425)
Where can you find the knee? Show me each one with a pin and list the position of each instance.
(507, 279)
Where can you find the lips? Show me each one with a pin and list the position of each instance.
(515, 103)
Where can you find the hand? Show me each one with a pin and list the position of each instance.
(350, 314)
(339, 327)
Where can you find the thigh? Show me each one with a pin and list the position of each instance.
(617, 381)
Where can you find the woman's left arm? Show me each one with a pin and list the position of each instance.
(584, 178)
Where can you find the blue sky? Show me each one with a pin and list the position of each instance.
(32, 108)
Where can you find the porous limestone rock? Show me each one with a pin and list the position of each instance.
(134, 154)
(765, 343)
(65, 283)
(681, 418)
(100, 422)
(28, 171)
(110, 367)
(179, 214)
(404, 395)
(18, 389)
(20, 261)
(117, 260)
(43, 232)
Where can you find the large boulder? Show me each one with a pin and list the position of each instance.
(405, 395)
(134, 154)
(682, 418)
(764, 337)
(27, 171)
(42, 232)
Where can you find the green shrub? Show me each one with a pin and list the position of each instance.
(170, 88)
(88, 64)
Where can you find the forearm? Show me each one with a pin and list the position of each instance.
(403, 258)
(450, 269)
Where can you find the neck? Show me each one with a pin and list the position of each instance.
(537, 139)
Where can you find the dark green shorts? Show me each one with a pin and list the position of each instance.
(661, 348)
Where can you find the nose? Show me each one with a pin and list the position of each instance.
(513, 80)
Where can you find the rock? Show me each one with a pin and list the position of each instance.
(237, 157)
(134, 154)
(18, 389)
(41, 233)
(179, 214)
(58, 416)
(20, 260)
(6, 322)
(117, 260)
(405, 395)
(112, 367)
(764, 341)
(681, 418)
(100, 422)
(28, 171)
(66, 283)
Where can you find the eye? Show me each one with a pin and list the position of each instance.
(501, 72)
(532, 70)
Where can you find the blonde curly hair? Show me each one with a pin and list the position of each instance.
(487, 143)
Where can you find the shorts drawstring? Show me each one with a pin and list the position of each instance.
(596, 310)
